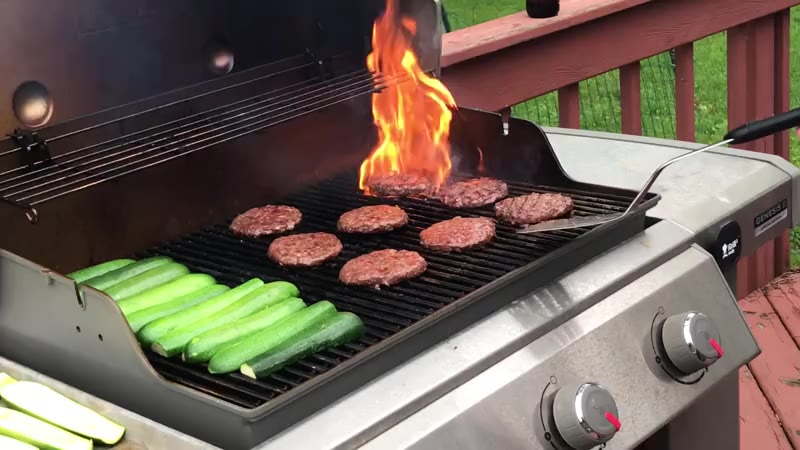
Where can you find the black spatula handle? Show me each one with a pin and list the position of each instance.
(764, 127)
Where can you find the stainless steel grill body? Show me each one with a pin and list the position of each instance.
(155, 146)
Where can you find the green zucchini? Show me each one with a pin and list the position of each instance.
(341, 328)
(144, 316)
(231, 358)
(203, 346)
(113, 277)
(165, 292)
(33, 431)
(146, 280)
(5, 379)
(43, 403)
(172, 343)
(7, 443)
(151, 332)
(97, 270)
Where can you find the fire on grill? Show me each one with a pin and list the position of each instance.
(246, 258)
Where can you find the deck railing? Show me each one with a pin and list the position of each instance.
(503, 62)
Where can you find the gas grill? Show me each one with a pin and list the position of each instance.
(201, 111)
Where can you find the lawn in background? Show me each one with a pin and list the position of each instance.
(600, 95)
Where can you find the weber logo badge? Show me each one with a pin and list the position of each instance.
(771, 217)
(728, 246)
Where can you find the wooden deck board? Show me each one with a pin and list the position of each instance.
(776, 370)
(758, 424)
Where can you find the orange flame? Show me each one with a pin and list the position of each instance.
(412, 113)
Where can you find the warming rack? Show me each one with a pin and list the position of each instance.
(49, 178)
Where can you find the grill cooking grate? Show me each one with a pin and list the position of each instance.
(449, 277)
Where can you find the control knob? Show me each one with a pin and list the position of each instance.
(691, 341)
(585, 415)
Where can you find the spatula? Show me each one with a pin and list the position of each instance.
(745, 133)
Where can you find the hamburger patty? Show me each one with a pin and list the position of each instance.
(382, 267)
(474, 193)
(400, 185)
(304, 250)
(458, 234)
(372, 219)
(265, 220)
(533, 208)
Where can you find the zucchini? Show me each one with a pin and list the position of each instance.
(33, 431)
(341, 328)
(203, 346)
(172, 343)
(113, 277)
(151, 332)
(5, 379)
(144, 316)
(146, 280)
(97, 270)
(43, 403)
(166, 292)
(231, 358)
(7, 443)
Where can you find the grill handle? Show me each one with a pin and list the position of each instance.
(764, 127)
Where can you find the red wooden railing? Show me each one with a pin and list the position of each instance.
(506, 61)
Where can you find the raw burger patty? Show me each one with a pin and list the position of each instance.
(533, 208)
(474, 193)
(400, 185)
(372, 219)
(271, 219)
(458, 234)
(382, 267)
(304, 250)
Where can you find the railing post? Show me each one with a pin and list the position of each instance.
(569, 106)
(782, 244)
(630, 91)
(684, 93)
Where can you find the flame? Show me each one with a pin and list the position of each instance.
(481, 168)
(413, 111)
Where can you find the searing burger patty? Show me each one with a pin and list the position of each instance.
(382, 268)
(372, 219)
(458, 234)
(474, 193)
(533, 208)
(400, 185)
(265, 220)
(304, 250)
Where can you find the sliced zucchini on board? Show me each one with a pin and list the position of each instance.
(43, 403)
(231, 358)
(165, 292)
(172, 343)
(341, 328)
(151, 332)
(144, 316)
(109, 279)
(90, 272)
(33, 431)
(146, 280)
(7, 443)
(205, 345)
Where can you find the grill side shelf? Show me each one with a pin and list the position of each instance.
(87, 344)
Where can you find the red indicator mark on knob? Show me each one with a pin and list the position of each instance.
(612, 419)
(716, 346)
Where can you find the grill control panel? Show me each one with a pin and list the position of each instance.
(556, 392)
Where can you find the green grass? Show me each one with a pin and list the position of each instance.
(600, 95)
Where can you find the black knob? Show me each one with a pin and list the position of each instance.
(542, 9)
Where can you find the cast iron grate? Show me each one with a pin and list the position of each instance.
(449, 277)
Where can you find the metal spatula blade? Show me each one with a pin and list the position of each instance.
(745, 133)
(570, 223)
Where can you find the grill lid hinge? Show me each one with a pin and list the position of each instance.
(35, 153)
